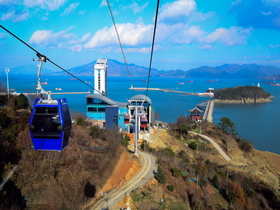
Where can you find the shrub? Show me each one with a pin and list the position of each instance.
(124, 141)
(176, 172)
(145, 145)
(193, 145)
(245, 145)
(169, 151)
(81, 121)
(21, 102)
(4, 119)
(160, 177)
(170, 187)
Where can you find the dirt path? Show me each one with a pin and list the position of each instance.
(220, 150)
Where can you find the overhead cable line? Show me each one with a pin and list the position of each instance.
(46, 58)
(152, 50)
(119, 41)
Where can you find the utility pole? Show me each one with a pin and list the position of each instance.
(8, 88)
(136, 132)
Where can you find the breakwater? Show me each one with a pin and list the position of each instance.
(163, 90)
(205, 94)
(208, 113)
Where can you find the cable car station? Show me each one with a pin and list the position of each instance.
(137, 112)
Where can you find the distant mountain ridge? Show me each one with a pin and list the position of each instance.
(226, 71)
(29, 69)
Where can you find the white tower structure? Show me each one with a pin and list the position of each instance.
(100, 77)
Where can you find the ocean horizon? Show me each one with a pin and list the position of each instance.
(258, 123)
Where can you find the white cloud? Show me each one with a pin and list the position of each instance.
(76, 48)
(49, 39)
(82, 12)
(8, 2)
(177, 8)
(45, 4)
(236, 2)
(84, 39)
(188, 35)
(3, 35)
(272, 46)
(231, 36)
(207, 47)
(60, 40)
(266, 13)
(197, 16)
(104, 3)
(138, 37)
(15, 17)
(138, 50)
(130, 34)
(70, 9)
(136, 8)
(271, 2)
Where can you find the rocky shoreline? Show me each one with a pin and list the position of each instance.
(243, 101)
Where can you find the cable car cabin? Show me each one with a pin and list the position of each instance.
(126, 119)
(50, 125)
(143, 122)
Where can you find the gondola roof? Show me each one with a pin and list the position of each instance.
(142, 97)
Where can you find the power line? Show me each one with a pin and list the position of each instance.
(119, 41)
(152, 51)
(46, 58)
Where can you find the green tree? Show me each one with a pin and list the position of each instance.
(227, 126)
(21, 102)
(160, 177)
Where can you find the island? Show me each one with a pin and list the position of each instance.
(242, 95)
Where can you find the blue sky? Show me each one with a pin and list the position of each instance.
(189, 33)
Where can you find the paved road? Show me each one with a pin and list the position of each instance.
(143, 176)
(220, 150)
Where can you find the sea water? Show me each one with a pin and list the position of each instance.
(258, 123)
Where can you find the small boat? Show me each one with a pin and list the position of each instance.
(44, 83)
(181, 83)
(58, 89)
(190, 81)
(275, 84)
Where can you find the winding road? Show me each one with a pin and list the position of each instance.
(143, 176)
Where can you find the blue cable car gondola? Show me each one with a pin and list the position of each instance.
(50, 121)
(50, 125)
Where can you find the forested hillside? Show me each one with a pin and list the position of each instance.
(242, 93)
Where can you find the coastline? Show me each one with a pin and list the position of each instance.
(243, 101)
